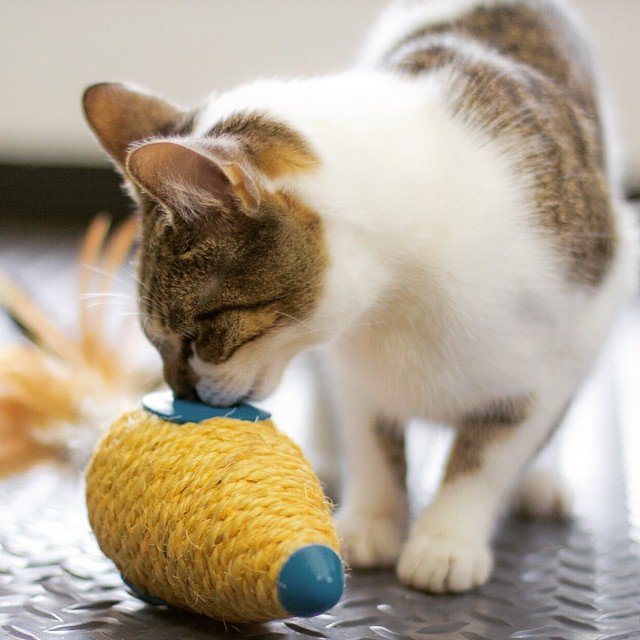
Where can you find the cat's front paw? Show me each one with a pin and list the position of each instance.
(438, 564)
(543, 493)
(369, 540)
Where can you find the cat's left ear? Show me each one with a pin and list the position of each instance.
(193, 176)
(121, 114)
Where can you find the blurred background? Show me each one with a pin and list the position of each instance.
(184, 49)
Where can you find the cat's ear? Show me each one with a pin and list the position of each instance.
(194, 176)
(120, 115)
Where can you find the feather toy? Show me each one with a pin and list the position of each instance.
(58, 391)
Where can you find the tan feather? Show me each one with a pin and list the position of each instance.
(57, 393)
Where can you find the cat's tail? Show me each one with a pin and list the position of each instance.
(394, 24)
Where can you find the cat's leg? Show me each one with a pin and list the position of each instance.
(324, 451)
(543, 491)
(372, 517)
(449, 544)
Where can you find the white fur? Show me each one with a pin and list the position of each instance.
(442, 294)
(543, 494)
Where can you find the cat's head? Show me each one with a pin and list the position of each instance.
(231, 270)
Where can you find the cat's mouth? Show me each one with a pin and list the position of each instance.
(215, 392)
(232, 383)
(220, 397)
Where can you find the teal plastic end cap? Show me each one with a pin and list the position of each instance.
(166, 406)
(311, 581)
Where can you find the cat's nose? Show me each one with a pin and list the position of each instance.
(178, 372)
(184, 391)
(182, 382)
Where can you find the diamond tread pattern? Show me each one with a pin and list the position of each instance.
(578, 581)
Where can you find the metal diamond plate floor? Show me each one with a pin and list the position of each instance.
(574, 581)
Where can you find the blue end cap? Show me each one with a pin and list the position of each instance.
(311, 581)
(164, 405)
(143, 595)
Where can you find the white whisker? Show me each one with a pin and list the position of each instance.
(110, 303)
(87, 296)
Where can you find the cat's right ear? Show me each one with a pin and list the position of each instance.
(120, 115)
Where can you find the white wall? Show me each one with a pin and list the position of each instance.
(51, 49)
(615, 25)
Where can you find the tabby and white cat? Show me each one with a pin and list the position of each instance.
(442, 217)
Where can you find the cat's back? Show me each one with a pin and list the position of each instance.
(421, 35)
(518, 72)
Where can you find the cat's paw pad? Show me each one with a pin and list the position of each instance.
(438, 564)
(369, 540)
(542, 494)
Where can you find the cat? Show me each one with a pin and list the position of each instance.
(444, 218)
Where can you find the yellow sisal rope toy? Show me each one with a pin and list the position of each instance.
(213, 510)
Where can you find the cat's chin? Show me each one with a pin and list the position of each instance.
(219, 397)
(221, 387)
(211, 392)
(259, 391)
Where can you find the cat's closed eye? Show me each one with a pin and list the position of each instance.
(208, 316)
(215, 312)
(222, 332)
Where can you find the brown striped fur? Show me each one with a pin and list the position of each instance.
(276, 148)
(542, 105)
(479, 428)
(390, 436)
(224, 284)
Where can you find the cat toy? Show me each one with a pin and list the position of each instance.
(213, 510)
(59, 389)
